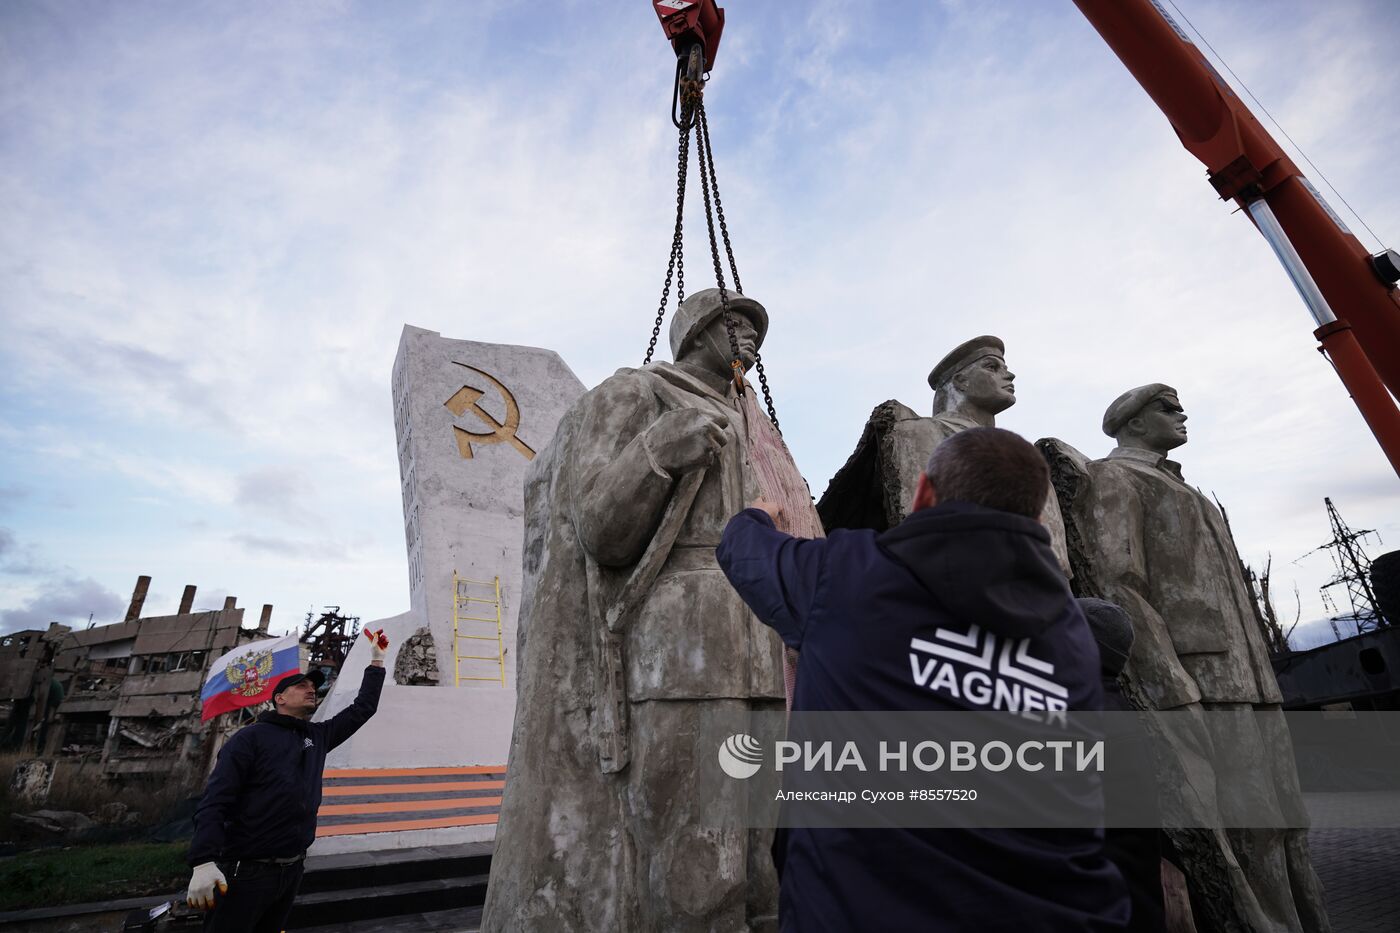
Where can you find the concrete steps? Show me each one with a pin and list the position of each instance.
(338, 890)
(382, 800)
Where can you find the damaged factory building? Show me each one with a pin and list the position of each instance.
(122, 697)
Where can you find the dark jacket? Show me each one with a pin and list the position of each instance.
(957, 608)
(262, 798)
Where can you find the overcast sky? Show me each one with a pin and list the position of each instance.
(215, 219)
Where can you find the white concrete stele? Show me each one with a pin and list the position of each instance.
(469, 417)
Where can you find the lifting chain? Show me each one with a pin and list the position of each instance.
(692, 116)
(708, 159)
(676, 264)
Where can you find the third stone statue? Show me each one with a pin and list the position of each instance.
(1162, 551)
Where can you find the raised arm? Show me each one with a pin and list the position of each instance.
(349, 720)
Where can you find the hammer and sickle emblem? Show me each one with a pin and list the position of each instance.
(466, 398)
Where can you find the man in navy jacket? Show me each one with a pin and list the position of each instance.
(962, 606)
(258, 813)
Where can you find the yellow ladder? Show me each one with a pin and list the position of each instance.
(463, 610)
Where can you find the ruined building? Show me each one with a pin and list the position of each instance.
(124, 696)
(27, 688)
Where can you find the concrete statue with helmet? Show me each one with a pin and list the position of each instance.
(631, 640)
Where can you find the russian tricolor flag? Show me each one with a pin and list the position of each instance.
(246, 675)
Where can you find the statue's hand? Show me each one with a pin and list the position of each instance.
(684, 439)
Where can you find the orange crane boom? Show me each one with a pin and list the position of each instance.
(1350, 293)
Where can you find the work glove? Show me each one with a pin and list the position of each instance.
(201, 892)
(378, 644)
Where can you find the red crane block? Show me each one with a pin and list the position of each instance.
(688, 22)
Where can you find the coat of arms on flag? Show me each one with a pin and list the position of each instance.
(246, 675)
(248, 672)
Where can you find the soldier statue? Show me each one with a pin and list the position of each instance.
(1163, 552)
(632, 643)
(875, 489)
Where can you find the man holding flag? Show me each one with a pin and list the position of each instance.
(258, 813)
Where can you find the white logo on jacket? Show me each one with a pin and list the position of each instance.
(985, 671)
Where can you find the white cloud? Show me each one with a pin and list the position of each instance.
(282, 492)
(305, 551)
(69, 600)
(218, 222)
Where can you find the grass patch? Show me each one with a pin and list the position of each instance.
(52, 877)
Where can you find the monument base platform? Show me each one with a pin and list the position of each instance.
(429, 767)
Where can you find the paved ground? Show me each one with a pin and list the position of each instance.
(90, 923)
(466, 920)
(1360, 870)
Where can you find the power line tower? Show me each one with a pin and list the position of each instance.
(1352, 564)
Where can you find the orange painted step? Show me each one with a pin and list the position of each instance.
(359, 790)
(412, 772)
(408, 806)
(442, 822)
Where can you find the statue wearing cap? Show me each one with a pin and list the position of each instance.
(1163, 552)
(631, 642)
(875, 488)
